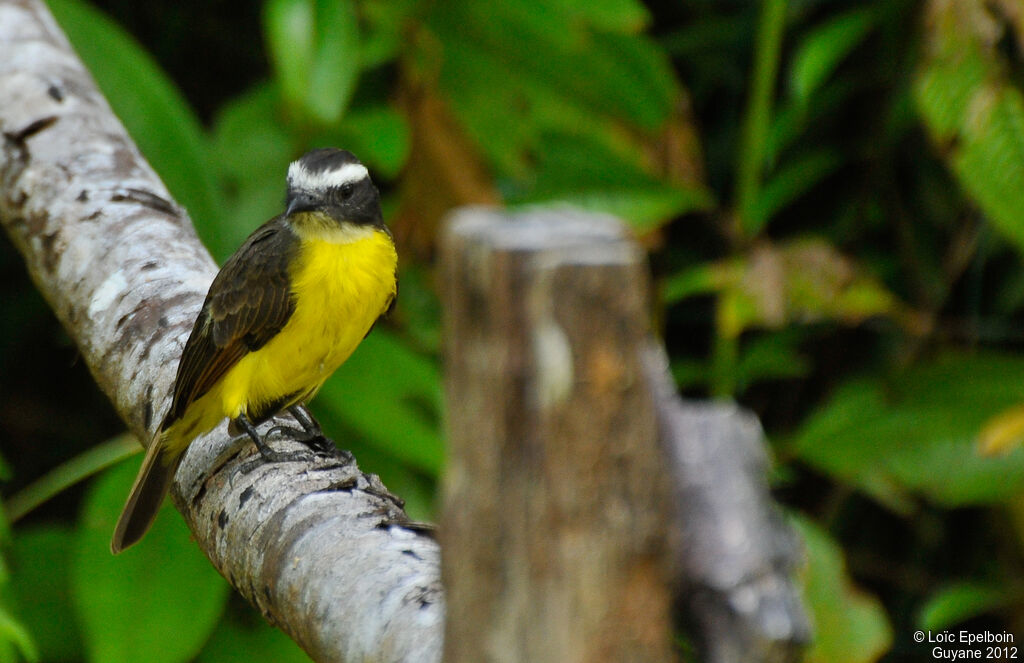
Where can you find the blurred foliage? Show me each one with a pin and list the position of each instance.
(829, 193)
(854, 621)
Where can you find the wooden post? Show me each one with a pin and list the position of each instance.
(555, 502)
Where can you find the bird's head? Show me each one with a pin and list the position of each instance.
(330, 185)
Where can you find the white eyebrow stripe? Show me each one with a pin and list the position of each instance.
(300, 178)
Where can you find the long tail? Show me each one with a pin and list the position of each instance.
(151, 485)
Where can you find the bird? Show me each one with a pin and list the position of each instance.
(282, 314)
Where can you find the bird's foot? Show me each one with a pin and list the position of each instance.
(311, 435)
(268, 454)
(315, 440)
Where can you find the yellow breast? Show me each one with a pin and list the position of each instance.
(341, 283)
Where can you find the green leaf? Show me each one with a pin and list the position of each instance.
(249, 137)
(946, 84)
(419, 307)
(795, 178)
(1009, 295)
(645, 209)
(712, 34)
(689, 373)
(289, 27)
(576, 171)
(958, 602)
(570, 77)
(67, 474)
(385, 22)
(314, 49)
(243, 641)
(990, 162)
(41, 585)
(256, 201)
(975, 114)
(392, 397)
(850, 625)
(13, 636)
(336, 67)
(820, 52)
(157, 601)
(640, 75)
(253, 149)
(6, 536)
(625, 16)
(154, 112)
(758, 113)
(771, 356)
(792, 118)
(16, 643)
(774, 285)
(697, 280)
(378, 135)
(916, 433)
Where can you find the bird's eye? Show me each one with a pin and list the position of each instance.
(346, 191)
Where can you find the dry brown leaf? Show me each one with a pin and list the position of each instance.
(445, 170)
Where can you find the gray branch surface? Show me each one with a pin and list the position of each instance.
(322, 549)
(737, 556)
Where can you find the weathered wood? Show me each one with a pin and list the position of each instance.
(555, 504)
(736, 555)
(320, 548)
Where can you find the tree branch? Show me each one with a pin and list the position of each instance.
(736, 555)
(322, 549)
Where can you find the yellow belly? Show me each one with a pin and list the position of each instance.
(340, 289)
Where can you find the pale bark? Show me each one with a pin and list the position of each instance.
(322, 549)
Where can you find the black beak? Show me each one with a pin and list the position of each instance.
(300, 201)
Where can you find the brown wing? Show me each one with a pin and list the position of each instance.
(248, 302)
